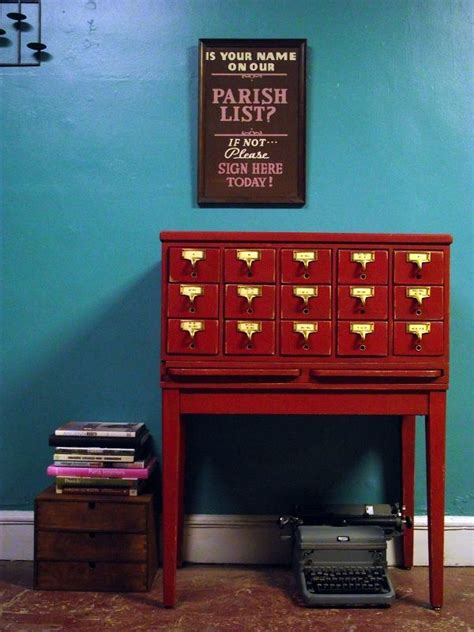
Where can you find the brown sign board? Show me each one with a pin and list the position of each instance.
(252, 122)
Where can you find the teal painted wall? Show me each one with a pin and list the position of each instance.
(98, 154)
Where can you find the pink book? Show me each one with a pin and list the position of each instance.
(102, 472)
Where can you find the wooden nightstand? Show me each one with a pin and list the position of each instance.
(86, 542)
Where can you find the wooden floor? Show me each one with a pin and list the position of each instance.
(234, 598)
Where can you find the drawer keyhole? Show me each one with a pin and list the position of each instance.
(91, 505)
(91, 564)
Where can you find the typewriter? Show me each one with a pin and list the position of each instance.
(340, 554)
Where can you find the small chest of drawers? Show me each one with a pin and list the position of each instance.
(94, 543)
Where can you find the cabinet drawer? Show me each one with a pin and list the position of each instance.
(414, 339)
(100, 576)
(362, 338)
(366, 302)
(305, 266)
(250, 301)
(250, 337)
(194, 265)
(249, 265)
(312, 302)
(91, 515)
(419, 302)
(419, 267)
(363, 266)
(304, 338)
(193, 301)
(91, 546)
(193, 336)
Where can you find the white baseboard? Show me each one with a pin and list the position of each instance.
(235, 539)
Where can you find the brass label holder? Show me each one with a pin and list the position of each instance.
(193, 256)
(305, 329)
(191, 291)
(249, 328)
(305, 257)
(249, 292)
(192, 327)
(419, 258)
(362, 293)
(363, 258)
(362, 329)
(418, 293)
(418, 329)
(305, 293)
(249, 256)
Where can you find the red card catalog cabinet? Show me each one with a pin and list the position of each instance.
(266, 323)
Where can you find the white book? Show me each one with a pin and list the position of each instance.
(99, 429)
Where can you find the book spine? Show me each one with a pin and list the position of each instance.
(95, 433)
(92, 458)
(95, 451)
(110, 491)
(89, 481)
(101, 472)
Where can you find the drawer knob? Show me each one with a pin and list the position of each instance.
(362, 329)
(305, 329)
(249, 328)
(192, 326)
(305, 293)
(191, 291)
(305, 257)
(248, 292)
(362, 293)
(249, 256)
(419, 258)
(418, 329)
(193, 256)
(418, 293)
(363, 258)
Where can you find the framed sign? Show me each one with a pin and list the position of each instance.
(252, 104)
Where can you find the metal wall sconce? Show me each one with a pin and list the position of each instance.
(20, 33)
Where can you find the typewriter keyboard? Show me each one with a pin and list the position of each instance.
(346, 580)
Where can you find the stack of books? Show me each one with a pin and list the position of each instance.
(101, 458)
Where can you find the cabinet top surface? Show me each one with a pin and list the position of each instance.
(388, 238)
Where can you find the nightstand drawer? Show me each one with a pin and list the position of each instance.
(103, 576)
(364, 302)
(419, 267)
(91, 546)
(194, 265)
(193, 301)
(250, 301)
(306, 266)
(363, 266)
(419, 302)
(91, 516)
(300, 302)
(249, 265)
(362, 338)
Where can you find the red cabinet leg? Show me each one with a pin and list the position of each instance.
(181, 495)
(435, 474)
(408, 483)
(172, 476)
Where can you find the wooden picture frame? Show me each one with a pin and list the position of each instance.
(252, 127)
